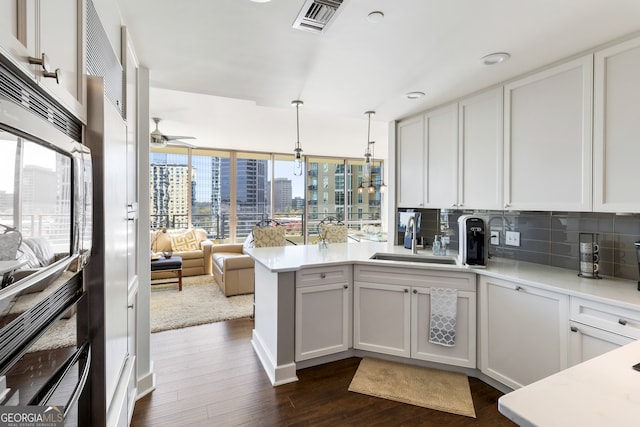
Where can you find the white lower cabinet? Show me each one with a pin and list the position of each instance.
(463, 353)
(587, 342)
(323, 312)
(392, 311)
(523, 331)
(381, 318)
(597, 328)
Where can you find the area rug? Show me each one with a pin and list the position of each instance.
(429, 388)
(201, 301)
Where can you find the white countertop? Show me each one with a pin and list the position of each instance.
(603, 391)
(609, 290)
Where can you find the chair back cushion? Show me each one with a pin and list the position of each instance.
(334, 233)
(266, 237)
(185, 240)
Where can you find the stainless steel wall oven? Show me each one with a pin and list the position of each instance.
(45, 242)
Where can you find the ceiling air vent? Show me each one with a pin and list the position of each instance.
(316, 14)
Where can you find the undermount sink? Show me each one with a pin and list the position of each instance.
(413, 258)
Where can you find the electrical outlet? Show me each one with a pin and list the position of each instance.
(512, 238)
(495, 238)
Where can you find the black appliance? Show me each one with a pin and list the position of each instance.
(638, 253)
(45, 243)
(472, 238)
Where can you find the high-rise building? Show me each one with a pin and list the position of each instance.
(282, 195)
(169, 195)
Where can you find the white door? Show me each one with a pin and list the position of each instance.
(523, 332)
(463, 353)
(61, 39)
(441, 139)
(587, 342)
(480, 151)
(410, 154)
(617, 128)
(381, 318)
(322, 320)
(18, 32)
(547, 136)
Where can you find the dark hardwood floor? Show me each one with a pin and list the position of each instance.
(209, 375)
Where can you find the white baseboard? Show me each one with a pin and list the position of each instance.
(278, 374)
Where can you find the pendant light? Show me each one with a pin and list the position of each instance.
(368, 159)
(297, 162)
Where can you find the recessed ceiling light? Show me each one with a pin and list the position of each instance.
(414, 95)
(375, 16)
(261, 1)
(495, 58)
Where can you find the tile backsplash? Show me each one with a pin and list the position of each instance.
(552, 238)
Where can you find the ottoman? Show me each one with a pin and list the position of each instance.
(168, 264)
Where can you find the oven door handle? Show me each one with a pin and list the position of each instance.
(47, 390)
(77, 391)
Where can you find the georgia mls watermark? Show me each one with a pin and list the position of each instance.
(31, 416)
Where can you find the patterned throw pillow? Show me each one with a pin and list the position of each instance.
(267, 237)
(334, 233)
(184, 242)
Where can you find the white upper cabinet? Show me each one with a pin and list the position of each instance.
(617, 128)
(547, 136)
(441, 144)
(50, 32)
(480, 151)
(411, 164)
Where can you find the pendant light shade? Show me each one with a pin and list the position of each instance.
(297, 161)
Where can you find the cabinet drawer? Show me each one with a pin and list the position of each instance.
(403, 276)
(605, 316)
(323, 275)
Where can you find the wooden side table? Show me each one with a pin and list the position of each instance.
(168, 264)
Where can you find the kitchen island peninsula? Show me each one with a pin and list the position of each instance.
(321, 279)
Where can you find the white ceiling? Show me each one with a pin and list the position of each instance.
(249, 51)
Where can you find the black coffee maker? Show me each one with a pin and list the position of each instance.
(473, 249)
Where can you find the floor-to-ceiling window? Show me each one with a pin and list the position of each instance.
(210, 173)
(169, 194)
(227, 192)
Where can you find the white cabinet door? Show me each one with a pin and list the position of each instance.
(18, 32)
(410, 154)
(481, 151)
(523, 332)
(323, 317)
(463, 353)
(61, 39)
(381, 318)
(548, 144)
(617, 128)
(441, 143)
(587, 342)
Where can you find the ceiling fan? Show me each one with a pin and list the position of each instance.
(159, 140)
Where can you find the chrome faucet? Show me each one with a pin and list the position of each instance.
(411, 222)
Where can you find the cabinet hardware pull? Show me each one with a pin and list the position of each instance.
(346, 286)
(519, 288)
(406, 291)
(415, 291)
(453, 205)
(322, 275)
(574, 329)
(130, 306)
(42, 62)
(622, 322)
(53, 75)
(506, 205)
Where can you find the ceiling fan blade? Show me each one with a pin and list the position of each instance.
(174, 137)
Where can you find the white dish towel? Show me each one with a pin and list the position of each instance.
(442, 325)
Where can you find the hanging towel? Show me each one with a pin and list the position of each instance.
(442, 326)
